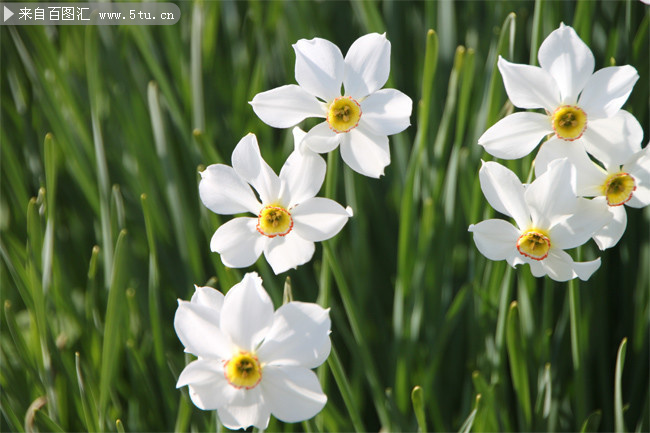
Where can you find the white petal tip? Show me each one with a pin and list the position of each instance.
(349, 211)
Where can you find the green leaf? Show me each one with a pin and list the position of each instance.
(503, 48)
(89, 416)
(469, 421)
(116, 313)
(334, 363)
(518, 364)
(592, 422)
(417, 398)
(619, 422)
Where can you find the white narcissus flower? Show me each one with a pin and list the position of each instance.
(549, 218)
(252, 362)
(613, 186)
(581, 106)
(289, 218)
(360, 119)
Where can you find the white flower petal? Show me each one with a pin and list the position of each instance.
(516, 135)
(613, 140)
(589, 176)
(292, 393)
(529, 86)
(588, 217)
(559, 265)
(247, 313)
(609, 235)
(607, 90)
(286, 106)
(249, 165)
(238, 242)
(536, 268)
(319, 67)
(287, 252)
(517, 259)
(318, 219)
(365, 152)
(212, 394)
(248, 409)
(367, 65)
(386, 112)
(321, 138)
(198, 329)
(202, 371)
(639, 168)
(495, 239)
(299, 336)
(302, 174)
(298, 136)
(224, 192)
(552, 195)
(209, 297)
(641, 197)
(569, 61)
(584, 270)
(504, 191)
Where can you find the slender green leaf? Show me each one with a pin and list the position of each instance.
(619, 422)
(518, 364)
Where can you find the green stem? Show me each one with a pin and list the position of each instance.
(534, 39)
(325, 280)
(406, 224)
(576, 350)
(364, 351)
(334, 362)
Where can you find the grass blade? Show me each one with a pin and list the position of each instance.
(114, 328)
(619, 422)
(518, 364)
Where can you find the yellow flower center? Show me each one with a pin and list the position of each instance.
(274, 221)
(534, 244)
(344, 114)
(569, 122)
(243, 370)
(618, 188)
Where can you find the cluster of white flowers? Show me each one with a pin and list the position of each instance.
(594, 150)
(253, 362)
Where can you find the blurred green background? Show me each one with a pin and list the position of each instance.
(104, 130)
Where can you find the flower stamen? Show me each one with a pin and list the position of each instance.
(619, 188)
(343, 114)
(274, 221)
(569, 122)
(534, 245)
(243, 370)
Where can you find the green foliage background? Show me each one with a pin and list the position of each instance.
(104, 130)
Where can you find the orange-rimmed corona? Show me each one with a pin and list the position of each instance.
(534, 244)
(619, 188)
(274, 221)
(569, 122)
(343, 114)
(243, 370)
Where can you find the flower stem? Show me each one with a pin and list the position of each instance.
(364, 351)
(325, 280)
(335, 365)
(576, 349)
